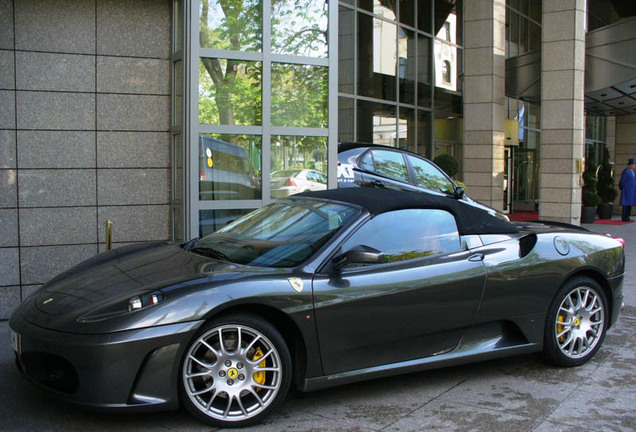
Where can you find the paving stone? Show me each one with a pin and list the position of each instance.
(379, 403)
(446, 416)
(590, 407)
(511, 394)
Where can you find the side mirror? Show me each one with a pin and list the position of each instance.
(358, 255)
(459, 192)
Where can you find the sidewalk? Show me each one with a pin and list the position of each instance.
(514, 394)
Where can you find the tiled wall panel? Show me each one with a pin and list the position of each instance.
(84, 133)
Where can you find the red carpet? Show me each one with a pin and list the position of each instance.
(522, 216)
(610, 222)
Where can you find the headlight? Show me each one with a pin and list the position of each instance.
(124, 307)
(140, 302)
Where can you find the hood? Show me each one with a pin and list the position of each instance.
(110, 279)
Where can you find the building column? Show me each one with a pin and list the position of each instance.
(562, 119)
(484, 100)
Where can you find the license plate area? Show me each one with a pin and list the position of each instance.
(16, 341)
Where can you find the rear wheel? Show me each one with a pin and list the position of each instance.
(235, 372)
(576, 323)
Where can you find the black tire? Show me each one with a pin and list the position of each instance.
(225, 387)
(576, 324)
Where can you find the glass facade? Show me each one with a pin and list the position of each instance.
(260, 102)
(595, 138)
(521, 188)
(255, 99)
(399, 67)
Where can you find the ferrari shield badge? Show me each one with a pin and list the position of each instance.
(296, 283)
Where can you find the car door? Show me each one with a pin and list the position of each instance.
(385, 168)
(414, 305)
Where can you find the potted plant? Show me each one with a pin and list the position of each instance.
(448, 163)
(590, 198)
(605, 187)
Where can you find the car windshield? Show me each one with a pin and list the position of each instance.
(283, 234)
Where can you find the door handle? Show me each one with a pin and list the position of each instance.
(377, 183)
(476, 257)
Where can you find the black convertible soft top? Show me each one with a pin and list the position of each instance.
(470, 219)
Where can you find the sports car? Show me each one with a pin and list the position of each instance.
(320, 289)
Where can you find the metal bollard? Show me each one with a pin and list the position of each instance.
(109, 235)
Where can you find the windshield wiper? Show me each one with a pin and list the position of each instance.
(210, 252)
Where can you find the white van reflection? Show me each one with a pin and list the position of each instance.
(225, 172)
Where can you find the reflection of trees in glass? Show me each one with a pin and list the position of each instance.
(299, 27)
(299, 96)
(403, 256)
(391, 169)
(429, 181)
(231, 24)
(289, 152)
(230, 90)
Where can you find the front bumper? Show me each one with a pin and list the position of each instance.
(132, 370)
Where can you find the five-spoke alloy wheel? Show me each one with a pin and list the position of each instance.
(235, 372)
(576, 323)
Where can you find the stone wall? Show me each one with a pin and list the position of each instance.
(84, 133)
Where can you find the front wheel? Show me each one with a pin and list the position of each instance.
(576, 323)
(235, 372)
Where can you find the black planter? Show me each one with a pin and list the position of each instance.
(587, 214)
(605, 211)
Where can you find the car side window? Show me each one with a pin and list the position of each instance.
(390, 164)
(407, 234)
(367, 162)
(430, 177)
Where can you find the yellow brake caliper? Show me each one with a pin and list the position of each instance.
(259, 377)
(560, 327)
